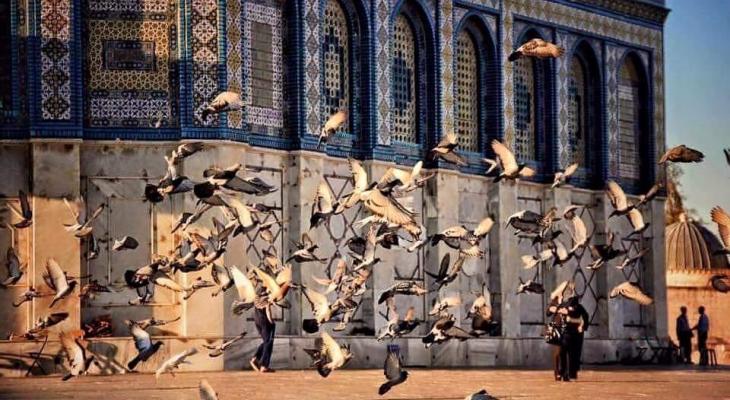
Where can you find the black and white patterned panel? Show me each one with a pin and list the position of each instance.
(634, 315)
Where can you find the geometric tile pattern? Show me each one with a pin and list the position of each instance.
(467, 93)
(565, 40)
(234, 58)
(124, 96)
(259, 113)
(205, 57)
(446, 40)
(56, 59)
(336, 61)
(312, 63)
(612, 53)
(382, 75)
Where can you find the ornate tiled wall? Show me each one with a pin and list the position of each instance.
(223, 44)
(263, 118)
(56, 59)
(204, 40)
(234, 56)
(128, 94)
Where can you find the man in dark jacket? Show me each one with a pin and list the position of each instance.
(578, 320)
(684, 335)
(703, 328)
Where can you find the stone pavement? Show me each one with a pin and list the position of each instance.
(602, 383)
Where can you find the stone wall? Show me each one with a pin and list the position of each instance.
(114, 172)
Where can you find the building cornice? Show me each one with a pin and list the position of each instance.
(643, 10)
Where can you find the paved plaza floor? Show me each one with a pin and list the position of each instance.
(594, 384)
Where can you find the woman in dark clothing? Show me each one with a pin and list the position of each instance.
(266, 328)
(559, 310)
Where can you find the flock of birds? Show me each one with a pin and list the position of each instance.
(391, 224)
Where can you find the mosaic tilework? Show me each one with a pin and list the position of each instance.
(205, 57)
(525, 104)
(382, 74)
(55, 59)
(466, 108)
(269, 116)
(234, 58)
(488, 3)
(629, 105)
(336, 61)
(555, 13)
(565, 40)
(129, 97)
(312, 66)
(612, 106)
(446, 27)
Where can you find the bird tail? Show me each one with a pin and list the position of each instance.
(515, 56)
(384, 388)
(435, 239)
(238, 307)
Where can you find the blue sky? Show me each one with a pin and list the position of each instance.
(697, 58)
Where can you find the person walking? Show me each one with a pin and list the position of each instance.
(703, 328)
(684, 335)
(560, 335)
(266, 328)
(577, 323)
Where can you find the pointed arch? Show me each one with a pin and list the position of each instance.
(585, 124)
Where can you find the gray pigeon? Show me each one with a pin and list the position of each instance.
(125, 243)
(393, 371)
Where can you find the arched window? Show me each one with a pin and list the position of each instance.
(584, 122)
(404, 76)
(631, 119)
(467, 93)
(336, 58)
(532, 105)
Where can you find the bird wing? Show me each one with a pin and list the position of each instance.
(359, 176)
(580, 233)
(335, 120)
(727, 155)
(74, 210)
(616, 195)
(484, 227)
(506, 157)
(633, 292)
(457, 333)
(444, 266)
(570, 170)
(636, 219)
(60, 283)
(306, 241)
(94, 215)
(388, 208)
(392, 367)
(284, 276)
(24, 205)
(142, 340)
(316, 299)
(246, 291)
(206, 391)
(268, 281)
(74, 352)
(393, 175)
(722, 219)
(324, 199)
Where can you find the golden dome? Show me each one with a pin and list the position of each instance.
(689, 245)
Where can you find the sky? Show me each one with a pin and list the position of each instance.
(697, 68)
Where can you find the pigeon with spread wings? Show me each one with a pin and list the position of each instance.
(682, 154)
(223, 102)
(537, 48)
(631, 291)
(82, 226)
(722, 219)
(508, 163)
(446, 150)
(334, 122)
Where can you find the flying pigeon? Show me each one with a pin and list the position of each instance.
(330, 127)
(537, 48)
(631, 291)
(561, 177)
(508, 163)
(218, 350)
(328, 355)
(125, 243)
(446, 150)
(75, 355)
(143, 344)
(174, 362)
(682, 154)
(12, 263)
(393, 371)
(206, 391)
(222, 103)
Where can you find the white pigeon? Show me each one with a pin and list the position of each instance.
(174, 362)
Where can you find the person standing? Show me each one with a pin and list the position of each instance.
(684, 335)
(577, 324)
(703, 328)
(558, 309)
(267, 329)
